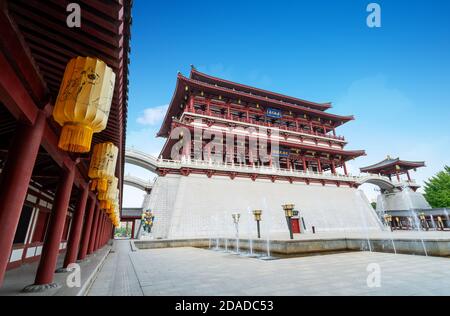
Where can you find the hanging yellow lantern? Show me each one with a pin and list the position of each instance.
(105, 205)
(110, 194)
(84, 101)
(103, 165)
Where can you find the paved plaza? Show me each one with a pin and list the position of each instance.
(201, 272)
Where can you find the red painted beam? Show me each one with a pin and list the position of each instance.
(15, 48)
(14, 95)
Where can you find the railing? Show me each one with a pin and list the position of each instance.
(137, 182)
(265, 124)
(240, 168)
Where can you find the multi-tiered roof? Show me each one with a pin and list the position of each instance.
(306, 127)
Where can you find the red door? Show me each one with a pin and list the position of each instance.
(295, 226)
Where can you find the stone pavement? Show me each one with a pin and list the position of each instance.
(201, 272)
(117, 276)
(17, 279)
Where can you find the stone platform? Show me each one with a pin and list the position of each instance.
(402, 242)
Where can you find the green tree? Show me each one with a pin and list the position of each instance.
(437, 189)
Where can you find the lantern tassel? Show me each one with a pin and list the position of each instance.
(76, 138)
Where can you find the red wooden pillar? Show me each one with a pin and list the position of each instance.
(15, 179)
(87, 230)
(191, 104)
(50, 251)
(100, 231)
(75, 232)
(304, 163)
(132, 229)
(407, 174)
(333, 167)
(94, 231)
(102, 242)
(319, 165)
(97, 235)
(208, 107)
(345, 168)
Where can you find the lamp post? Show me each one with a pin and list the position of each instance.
(289, 212)
(257, 214)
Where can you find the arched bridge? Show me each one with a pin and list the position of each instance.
(141, 159)
(383, 182)
(138, 183)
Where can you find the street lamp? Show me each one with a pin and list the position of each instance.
(289, 212)
(257, 214)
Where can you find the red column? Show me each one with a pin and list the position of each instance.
(94, 231)
(333, 167)
(319, 165)
(100, 230)
(50, 251)
(102, 240)
(407, 174)
(191, 104)
(97, 234)
(75, 232)
(304, 163)
(132, 229)
(14, 182)
(345, 168)
(208, 107)
(87, 230)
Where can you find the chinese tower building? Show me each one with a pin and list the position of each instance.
(196, 192)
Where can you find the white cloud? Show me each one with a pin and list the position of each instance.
(153, 116)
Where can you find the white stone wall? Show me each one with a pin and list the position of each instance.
(198, 206)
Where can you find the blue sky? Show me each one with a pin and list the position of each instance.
(394, 79)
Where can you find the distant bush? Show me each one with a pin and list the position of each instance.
(437, 189)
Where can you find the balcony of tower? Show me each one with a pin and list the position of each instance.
(237, 114)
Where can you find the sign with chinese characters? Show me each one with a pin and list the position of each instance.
(281, 152)
(273, 113)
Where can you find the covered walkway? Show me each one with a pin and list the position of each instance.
(47, 211)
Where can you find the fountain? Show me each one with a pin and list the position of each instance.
(236, 217)
(407, 198)
(364, 221)
(216, 220)
(250, 238)
(381, 206)
(433, 223)
(268, 255)
(447, 217)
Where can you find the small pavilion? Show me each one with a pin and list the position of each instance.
(393, 166)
